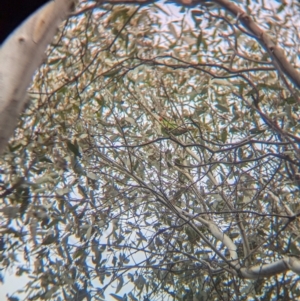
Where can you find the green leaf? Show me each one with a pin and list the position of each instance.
(54, 61)
(79, 251)
(290, 100)
(45, 159)
(119, 12)
(256, 131)
(281, 8)
(199, 40)
(141, 236)
(120, 284)
(222, 108)
(62, 191)
(92, 176)
(132, 297)
(14, 148)
(269, 87)
(74, 148)
(161, 8)
(224, 135)
(112, 72)
(173, 31)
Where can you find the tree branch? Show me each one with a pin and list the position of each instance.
(20, 56)
(277, 54)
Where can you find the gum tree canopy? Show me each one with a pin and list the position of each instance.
(158, 157)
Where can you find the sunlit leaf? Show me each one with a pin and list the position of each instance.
(118, 298)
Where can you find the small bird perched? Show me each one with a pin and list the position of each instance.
(171, 127)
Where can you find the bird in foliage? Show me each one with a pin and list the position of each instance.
(169, 126)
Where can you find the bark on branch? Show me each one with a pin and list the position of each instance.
(279, 59)
(20, 55)
(266, 270)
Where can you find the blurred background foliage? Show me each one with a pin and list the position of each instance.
(139, 111)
